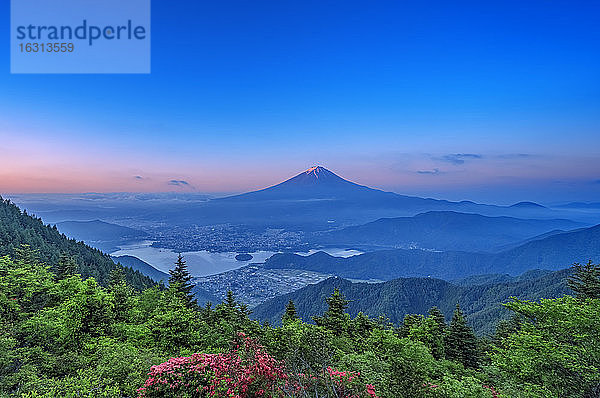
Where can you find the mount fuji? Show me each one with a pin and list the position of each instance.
(315, 183)
(317, 196)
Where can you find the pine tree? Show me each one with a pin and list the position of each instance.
(207, 314)
(24, 254)
(585, 281)
(230, 301)
(116, 277)
(121, 294)
(290, 314)
(235, 313)
(439, 333)
(362, 325)
(410, 321)
(335, 318)
(66, 266)
(180, 281)
(461, 343)
(440, 320)
(228, 309)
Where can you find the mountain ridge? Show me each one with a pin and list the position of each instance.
(395, 298)
(553, 253)
(444, 230)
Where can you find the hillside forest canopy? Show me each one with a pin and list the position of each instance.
(69, 336)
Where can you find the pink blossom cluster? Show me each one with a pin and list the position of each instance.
(246, 371)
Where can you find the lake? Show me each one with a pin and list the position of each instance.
(203, 263)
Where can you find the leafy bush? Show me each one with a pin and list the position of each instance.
(247, 370)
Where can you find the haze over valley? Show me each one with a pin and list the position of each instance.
(316, 225)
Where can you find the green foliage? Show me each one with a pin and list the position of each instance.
(428, 332)
(290, 314)
(556, 351)
(26, 239)
(335, 318)
(460, 342)
(409, 364)
(585, 281)
(180, 281)
(66, 266)
(464, 387)
(71, 337)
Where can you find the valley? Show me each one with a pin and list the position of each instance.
(317, 225)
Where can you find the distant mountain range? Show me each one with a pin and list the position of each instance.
(529, 205)
(500, 278)
(314, 200)
(581, 205)
(482, 303)
(99, 234)
(553, 252)
(318, 198)
(443, 230)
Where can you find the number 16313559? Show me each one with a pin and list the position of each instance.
(46, 47)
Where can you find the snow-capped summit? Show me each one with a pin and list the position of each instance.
(316, 171)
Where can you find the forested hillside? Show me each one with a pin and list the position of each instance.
(61, 336)
(553, 253)
(396, 298)
(19, 228)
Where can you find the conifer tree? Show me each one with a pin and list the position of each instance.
(290, 315)
(24, 254)
(180, 281)
(461, 343)
(440, 320)
(121, 294)
(439, 333)
(207, 314)
(585, 281)
(410, 321)
(230, 301)
(232, 311)
(228, 309)
(116, 277)
(362, 325)
(335, 318)
(66, 266)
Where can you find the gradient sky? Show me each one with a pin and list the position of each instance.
(490, 101)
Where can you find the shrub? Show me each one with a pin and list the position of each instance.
(246, 371)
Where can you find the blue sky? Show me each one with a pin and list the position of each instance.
(245, 94)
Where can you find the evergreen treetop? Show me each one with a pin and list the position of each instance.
(335, 318)
(180, 281)
(66, 266)
(461, 343)
(585, 281)
(290, 315)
